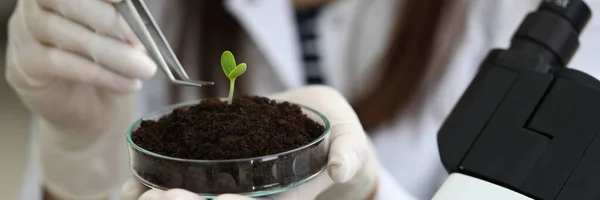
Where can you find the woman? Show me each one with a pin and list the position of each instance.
(401, 64)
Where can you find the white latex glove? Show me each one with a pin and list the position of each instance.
(352, 168)
(75, 64)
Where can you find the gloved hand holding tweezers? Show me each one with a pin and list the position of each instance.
(76, 65)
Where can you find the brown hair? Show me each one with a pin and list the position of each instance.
(404, 65)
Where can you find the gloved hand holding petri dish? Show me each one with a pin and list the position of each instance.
(345, 152)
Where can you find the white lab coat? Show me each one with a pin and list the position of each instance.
(350, 47)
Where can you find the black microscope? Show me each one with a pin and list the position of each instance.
(527, 126)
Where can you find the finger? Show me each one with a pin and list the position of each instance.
(362, 186)
(112, 54)
(348, 151)
(153, 194)
(179, 194)
(349, 143)
(98, 15)
(132, 190)
(53, 29)
(69, 66)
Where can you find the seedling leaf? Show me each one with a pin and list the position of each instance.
(238, 71)
(227, 62)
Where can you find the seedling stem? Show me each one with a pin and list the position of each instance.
(232, 71)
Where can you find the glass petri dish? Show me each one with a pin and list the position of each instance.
(253, 177)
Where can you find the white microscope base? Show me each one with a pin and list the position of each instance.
(463, 187)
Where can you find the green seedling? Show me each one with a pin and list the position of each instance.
(232, 71)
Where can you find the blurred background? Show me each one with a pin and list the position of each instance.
(14, 120)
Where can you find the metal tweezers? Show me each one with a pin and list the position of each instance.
(140, 20)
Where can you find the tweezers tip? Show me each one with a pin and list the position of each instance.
(193, 83)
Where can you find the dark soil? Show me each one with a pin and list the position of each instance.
(212, 130)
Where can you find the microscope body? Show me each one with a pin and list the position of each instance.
(527, 126)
